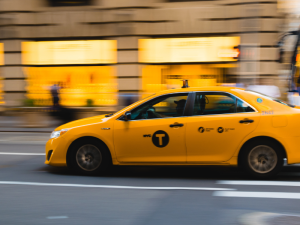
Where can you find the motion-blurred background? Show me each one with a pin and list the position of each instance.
(67, 59)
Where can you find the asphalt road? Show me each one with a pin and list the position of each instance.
(33, 193)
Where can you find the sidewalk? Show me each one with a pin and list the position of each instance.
(44, 123)
(12, 124)
(23, 138)
(25, 129)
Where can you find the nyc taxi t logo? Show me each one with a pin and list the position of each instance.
(160, 139)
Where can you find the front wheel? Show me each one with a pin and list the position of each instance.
(262, 159)
(89, 157)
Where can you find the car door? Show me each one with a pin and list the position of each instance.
(155, 133)
(219, 124)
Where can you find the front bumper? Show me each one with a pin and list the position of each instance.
(59, 150)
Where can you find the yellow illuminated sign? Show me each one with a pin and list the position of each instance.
(1, 54)
(69, 52)
(211, 49)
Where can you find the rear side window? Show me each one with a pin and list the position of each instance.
(219, 103)
(208, 104)
(243, 107)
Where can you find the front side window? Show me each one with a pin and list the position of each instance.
(219, 103)
(161, 107)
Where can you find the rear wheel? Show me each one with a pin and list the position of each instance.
(89, 156)
(262, 158)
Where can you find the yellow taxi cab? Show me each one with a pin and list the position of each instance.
(187, 126)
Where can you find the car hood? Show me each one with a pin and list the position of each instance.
(83, 122)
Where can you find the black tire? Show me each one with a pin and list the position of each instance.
(89, 156)
(262, 158)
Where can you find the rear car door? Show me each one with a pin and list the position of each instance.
(219, 124)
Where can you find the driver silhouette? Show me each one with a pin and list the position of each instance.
(180, 106)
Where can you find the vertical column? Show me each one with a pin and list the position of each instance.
(13, 77)
(15, 21)
(128, 69)
(259, 37)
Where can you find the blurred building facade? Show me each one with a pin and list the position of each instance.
(186, 24)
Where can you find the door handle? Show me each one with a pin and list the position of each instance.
(246, 121)
(176, 125)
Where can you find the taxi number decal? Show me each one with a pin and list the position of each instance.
(270, 112)
(160, 139)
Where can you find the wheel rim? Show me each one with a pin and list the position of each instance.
(88, 157)
(262, 159)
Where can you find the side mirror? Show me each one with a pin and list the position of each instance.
(127, 116)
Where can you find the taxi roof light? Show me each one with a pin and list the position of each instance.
(185, 84)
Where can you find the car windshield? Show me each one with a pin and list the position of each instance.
(274, 99)
(148, 96)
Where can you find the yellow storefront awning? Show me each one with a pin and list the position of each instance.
(179, 50)
(69, 52)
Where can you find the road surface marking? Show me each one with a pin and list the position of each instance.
(57, 217)
(256, 218)
(248, 194)
(20, 153)
(116, 187)
(262, 183)
(261, 218)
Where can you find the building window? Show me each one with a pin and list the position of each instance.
(188, 0)
(69, 2)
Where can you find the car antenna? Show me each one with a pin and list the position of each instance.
(185, 84)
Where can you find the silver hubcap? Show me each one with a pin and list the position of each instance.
(262, 159)
(88, 157)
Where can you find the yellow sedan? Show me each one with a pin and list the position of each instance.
(187, 126)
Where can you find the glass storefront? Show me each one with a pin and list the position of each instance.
(172, 60)
(77, 85)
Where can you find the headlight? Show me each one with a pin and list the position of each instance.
(58, 133)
